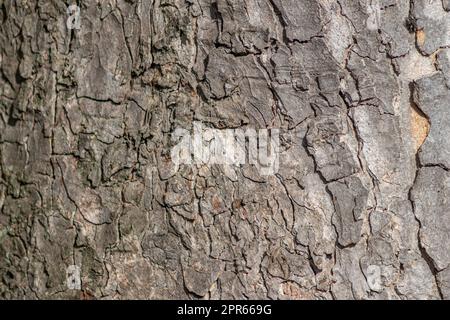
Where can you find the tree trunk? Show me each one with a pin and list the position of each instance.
(98, 201)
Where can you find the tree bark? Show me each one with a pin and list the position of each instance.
(92, 204)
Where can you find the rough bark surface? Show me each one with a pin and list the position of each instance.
(359, 208)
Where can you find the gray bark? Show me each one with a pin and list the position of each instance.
(358, 209)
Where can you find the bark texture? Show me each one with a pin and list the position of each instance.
(359, 208)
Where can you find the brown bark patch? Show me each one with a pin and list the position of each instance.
(420, 127)
(293, 292)
(420, 36)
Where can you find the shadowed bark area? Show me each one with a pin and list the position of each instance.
(93, 206)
